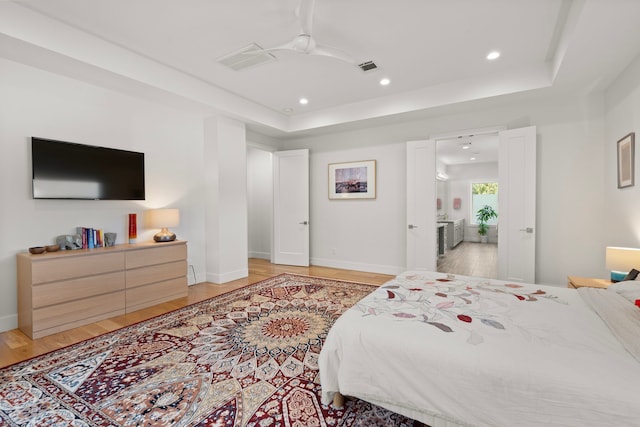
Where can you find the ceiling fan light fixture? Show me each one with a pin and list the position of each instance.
(303, 43)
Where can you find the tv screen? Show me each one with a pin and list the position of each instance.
(65, 170)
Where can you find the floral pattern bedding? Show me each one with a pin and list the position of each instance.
(454, 304)
(472, 351)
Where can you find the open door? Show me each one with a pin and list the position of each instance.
(291, 207)
(421, 205)
(517, 205)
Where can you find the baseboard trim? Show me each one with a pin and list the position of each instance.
(9, 322)
(220, 278)
(347, 265)
(260, 255)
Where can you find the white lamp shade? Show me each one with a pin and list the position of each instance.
(164, 218)
(622, 259)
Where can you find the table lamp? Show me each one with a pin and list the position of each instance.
(163, 219)
(620, 261)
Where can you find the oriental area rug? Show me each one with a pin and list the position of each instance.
(247, 358)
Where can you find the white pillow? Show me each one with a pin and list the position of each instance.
(630, 289)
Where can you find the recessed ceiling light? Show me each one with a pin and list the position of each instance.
(472, 158)
(493, 55)
(304, 101)
(465, 147)
(385, 81)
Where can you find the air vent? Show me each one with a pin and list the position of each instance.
(246, 57)
(368, 66)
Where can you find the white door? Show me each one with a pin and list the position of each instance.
(291, 207)
(517, 205)
(421, 205)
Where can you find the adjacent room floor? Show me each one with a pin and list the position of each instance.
(471, 259)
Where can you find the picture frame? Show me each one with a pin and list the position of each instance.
(352, 180)
(626, 160)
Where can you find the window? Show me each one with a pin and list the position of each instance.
(484, 193)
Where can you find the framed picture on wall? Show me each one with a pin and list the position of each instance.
(354, 180)
(626, 160)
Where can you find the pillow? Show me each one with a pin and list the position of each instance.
(629, 289)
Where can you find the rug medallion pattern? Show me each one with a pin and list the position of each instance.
(247, 358)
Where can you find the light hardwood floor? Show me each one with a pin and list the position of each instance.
(471, 259)
(15, 346)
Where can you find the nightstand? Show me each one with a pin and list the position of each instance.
(589, 282)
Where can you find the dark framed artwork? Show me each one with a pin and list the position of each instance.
(626, 161)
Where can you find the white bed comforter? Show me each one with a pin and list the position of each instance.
(478, 352)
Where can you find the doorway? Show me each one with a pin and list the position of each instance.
(467, 179)
(517, 178)
(278, 205)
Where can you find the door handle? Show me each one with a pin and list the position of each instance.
(304, 223)
(528, 229)
(411, 226)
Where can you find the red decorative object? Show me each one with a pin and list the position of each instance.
(133, 227)
(638, 303)
(456, 203)
(439, 202)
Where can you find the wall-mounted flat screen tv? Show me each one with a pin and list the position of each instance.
(66, 170)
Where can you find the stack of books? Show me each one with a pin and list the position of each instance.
(91, 237)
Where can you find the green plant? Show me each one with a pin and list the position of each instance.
(483, 215)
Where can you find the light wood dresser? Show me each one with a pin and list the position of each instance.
(62, 290)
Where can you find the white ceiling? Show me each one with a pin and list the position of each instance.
(481, 148)
(432, 50)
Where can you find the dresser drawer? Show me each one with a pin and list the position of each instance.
(54, 318)
(155, 293)
(155, 273)
(156, 255)
(69, 267)
(66, 289)
(75, 289)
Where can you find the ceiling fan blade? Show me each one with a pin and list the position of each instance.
(305, 14)
(286, 46)
(332, 52)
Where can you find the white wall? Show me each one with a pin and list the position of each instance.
(225, 154)
(570, 214)
(622, 206)
(37, 103)
(260, 197)
(365, 234)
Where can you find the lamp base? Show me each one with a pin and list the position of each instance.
(617, 276)
(164, 236)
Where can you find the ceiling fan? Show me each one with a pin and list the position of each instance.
(304, 43)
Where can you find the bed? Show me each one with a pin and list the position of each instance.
(464, 351)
